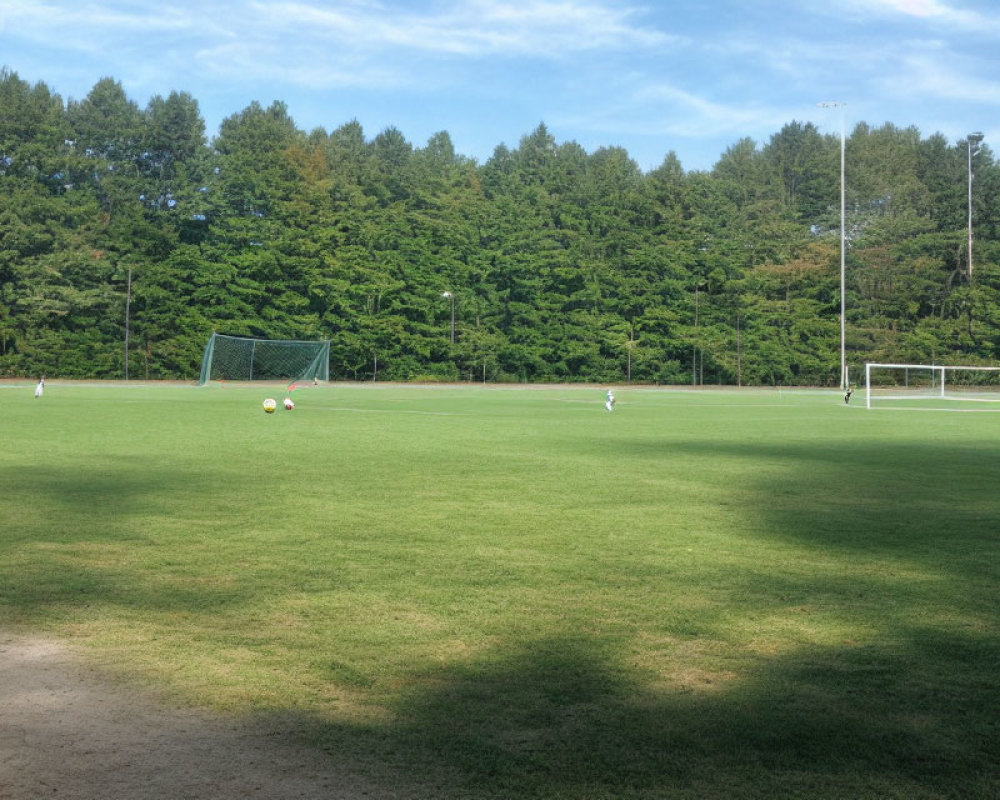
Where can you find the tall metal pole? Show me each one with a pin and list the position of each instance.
(694, 349)
(628, 346)
(739, 359)
(128, 303)
(843, 244)
(451, 297)
(971, 139)
(970, 209)
(843, 252)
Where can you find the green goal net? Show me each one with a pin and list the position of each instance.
(237, 358)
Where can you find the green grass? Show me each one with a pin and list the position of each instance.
(507, 592)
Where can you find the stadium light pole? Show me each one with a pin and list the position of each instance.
(843, 243)
(128, 303)
(695, 350)
(451, 297)
(973, 140)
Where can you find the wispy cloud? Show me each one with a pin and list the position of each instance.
(936, 12)
(477, 29)
(312, 44)
(932, 72)
(312, 67)
(49, 21)
(684, 113)
(693, 77)
(365, 44)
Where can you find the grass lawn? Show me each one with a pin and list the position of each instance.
(507, 592)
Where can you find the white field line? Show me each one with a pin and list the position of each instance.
(938, 410)
(312, 407)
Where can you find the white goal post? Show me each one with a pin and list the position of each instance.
(930, 385)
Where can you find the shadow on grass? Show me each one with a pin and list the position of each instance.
(915, 714)
(911, 712)
(561, 719)
(566, 716)
(923, 502)
(67, 534)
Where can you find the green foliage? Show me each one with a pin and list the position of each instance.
(563, 265)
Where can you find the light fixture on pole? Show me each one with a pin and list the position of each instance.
(843, 244)
(973, 140)
(451, 297)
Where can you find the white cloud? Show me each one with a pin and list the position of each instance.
(917, 8)
(695, 115)
(47, 20)
(479, 28)
(368, 44)
(928, 74)
(663, 109)
(311, 68)
(933, 11)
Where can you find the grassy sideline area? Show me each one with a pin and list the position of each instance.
(500, 592)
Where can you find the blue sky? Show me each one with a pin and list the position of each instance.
(689, 76)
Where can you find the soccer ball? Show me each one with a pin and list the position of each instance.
(289, 405)
(269, 406)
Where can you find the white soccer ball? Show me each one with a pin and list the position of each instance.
(269, 406)
(289, 405)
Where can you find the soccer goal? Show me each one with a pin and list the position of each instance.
(237, 358)
(930, 385)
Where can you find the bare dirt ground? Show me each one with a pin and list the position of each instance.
(68, 732)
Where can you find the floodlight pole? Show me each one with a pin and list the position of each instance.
(694, 349)
(128, 303)
(451, 297)
(973, 139)
(739, 356)
(843, 244)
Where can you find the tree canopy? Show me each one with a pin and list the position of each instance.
(562, 265)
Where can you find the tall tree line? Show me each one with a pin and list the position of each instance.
(562, 265)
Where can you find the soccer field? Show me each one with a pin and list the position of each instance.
(504, 592)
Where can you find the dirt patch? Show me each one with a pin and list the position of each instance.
(66, 731)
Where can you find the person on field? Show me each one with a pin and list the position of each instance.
(40, 387)
(609, 402)
(847, 395)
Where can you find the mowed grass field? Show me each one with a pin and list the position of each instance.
(507, 592)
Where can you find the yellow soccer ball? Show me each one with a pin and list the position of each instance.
(269, 406)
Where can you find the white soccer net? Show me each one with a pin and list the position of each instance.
(930, 385)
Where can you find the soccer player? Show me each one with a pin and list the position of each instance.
(609, 402)
(847, 395)
(40, 387)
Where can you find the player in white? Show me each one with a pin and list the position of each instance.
(609, 402)
(40, 387)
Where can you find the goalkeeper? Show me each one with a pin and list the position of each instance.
(847, 394)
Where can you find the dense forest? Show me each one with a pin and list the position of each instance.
(126, 230)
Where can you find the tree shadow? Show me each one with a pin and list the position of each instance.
(559, 718)
(909, 711)
(912, 712)
(928, 502)
(93, 516)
